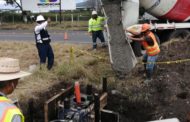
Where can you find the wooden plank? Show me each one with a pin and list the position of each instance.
(46, 112)
(103, 100)
(50, 106)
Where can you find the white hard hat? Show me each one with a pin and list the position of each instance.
(94, 13)
(40, 18)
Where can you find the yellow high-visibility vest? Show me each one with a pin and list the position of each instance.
(8, 110)
(96, 24)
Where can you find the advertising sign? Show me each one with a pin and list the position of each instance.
(48, 5)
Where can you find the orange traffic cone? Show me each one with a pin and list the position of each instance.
(77, 93)
(66, 36)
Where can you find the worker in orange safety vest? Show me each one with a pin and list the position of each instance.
(9, 75)
(150, 43)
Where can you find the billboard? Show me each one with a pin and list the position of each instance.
(47, 5)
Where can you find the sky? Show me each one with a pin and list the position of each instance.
(3, 5)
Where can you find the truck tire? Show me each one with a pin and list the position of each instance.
(182, 33)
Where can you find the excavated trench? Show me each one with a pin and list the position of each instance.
(129, 111)
(34, 108)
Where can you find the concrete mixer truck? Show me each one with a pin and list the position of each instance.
(174, 15)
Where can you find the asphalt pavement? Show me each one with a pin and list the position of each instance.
(56, 36)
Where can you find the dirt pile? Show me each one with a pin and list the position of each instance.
(167, 96)
(171, 85)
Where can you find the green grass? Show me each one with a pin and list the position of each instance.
(84, 68)
(65, 25)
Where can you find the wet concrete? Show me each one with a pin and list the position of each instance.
(123, 57)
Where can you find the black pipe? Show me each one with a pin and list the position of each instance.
(104, 85)
(89, 89)
(67, 103)
(31, 109)
(97, 107)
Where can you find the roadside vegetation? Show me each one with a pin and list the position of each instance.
(68, 67)
(12, 20)
(65, 25)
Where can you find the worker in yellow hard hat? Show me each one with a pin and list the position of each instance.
(95, 28)
(9, 76)
(150, 43)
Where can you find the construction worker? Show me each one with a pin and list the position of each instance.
(43, 42)
(9, 76)
(95, 27)
(150, 43)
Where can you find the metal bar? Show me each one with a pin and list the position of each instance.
(60, 11)
(103, 102)
(31, 109)
(97, 107)
(89, 89)
(104, 85)
(166, 26)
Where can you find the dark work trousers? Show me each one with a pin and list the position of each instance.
(150, 66)
(45, 51)
(97, 34)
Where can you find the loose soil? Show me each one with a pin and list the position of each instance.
(167, 96)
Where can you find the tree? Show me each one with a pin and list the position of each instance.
(14, 2)
(24, 13)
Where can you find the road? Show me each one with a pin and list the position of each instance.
(25, 35)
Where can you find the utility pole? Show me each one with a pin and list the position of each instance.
(60, 11)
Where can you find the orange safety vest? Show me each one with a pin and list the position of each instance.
(151, 50)
(8, 110)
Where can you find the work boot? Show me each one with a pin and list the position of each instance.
(103, 45)
(94, 46)
(42, 66)
(147, 81)
(94, 50)
(148, 76)
(49, 67)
